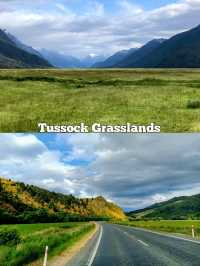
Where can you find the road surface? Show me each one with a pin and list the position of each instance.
(116, 245)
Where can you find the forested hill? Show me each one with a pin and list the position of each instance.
(26, 203)
(178, 208)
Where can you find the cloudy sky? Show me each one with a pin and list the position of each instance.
(134, 171)
(82, 27)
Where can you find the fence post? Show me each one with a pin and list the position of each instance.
(45, 256)
(193, 233)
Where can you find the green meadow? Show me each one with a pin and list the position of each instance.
(170, 98)
(24, 244)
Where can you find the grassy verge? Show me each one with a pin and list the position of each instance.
(169, 98)
(34, 239)
(169, 226)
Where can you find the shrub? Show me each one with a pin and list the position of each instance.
(9, 237)
(193, 104)
(33, 247)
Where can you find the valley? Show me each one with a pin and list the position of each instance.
(93, 231)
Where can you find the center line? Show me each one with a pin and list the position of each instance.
(131, 236)
(143, 243)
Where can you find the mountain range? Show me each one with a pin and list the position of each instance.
(15, 54)
(180, 51)
(90, 60)
(66, 61)
(130, 58)
(26, 203)
(115, 58)
(185, 207)
(133, 59)
(12, 55)
(19, 201)
(60, 60)
(22, 46)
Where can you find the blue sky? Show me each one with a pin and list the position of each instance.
(131, 170)
(81, 5)
(99, 27)
(112, 5)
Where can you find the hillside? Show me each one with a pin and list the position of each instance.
(60, 60)
(136, 58)
(22, 202)
(23, 46)
(114, 59)
(90, 60)
(11, 56)
(176, 208)
(180, 51)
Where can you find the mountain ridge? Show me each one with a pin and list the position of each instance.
(23, 46)
(13, 56)
(138, 56)
(180, 51)
(114, 59)
(18, 199)
(61, 61)
(177, 208)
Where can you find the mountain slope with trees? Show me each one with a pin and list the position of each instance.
(186, 207)
(26, 203)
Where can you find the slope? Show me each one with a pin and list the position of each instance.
(18, 57)
(187, 207)
(20, 200)
(180, 51)
(114, 59)
(60, 60)
(136, 58)
(23, 46)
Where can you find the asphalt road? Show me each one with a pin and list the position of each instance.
(116, 245)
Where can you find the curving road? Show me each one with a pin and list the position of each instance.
(116, 245)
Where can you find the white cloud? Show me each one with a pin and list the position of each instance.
(129, 8)
(48, 181)
(26, 158)
(136, 171)
(132, 170)
(95, 31)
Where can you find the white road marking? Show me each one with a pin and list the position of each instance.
(143, 243)
(133, 237)
(162, 234)
(91, 260)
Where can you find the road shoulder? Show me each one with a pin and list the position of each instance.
(163, 233)
(68, 254)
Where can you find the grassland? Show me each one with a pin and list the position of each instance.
(35, 237)
(169, 98)
(170, 226)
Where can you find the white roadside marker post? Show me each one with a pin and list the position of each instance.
(45, 256)
(193, 233)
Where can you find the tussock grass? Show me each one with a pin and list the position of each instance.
(118, 96)
(33, 245)
(193, 104)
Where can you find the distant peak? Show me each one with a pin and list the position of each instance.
(101, 198)
(159, 40)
